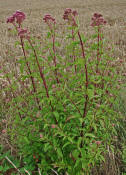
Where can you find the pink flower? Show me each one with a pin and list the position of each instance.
(75, 13)
(53, 86)
(48, 18)
(41, 135)
(23, 33)
(97, 20)
(4, 131)
(69, 15)
(124, 74)
(4, 121)
(10, 19)
(111, 95)
(68, 10)
(9, 28)
(20, 16)
(98, 105)
(96, 15)
(98, 142)
(53, 126)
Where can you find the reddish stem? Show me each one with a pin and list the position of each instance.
(32, 79)
(98, 59)
(42, 76)
(54, 59)
(86, 73)
(74, 57)
(86, 85)
(40, 70)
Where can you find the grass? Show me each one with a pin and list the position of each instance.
(12, 62)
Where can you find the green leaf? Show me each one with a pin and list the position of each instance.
(59, 152)
(6, 168)
(48, 34)
(66, 144)
(26, 140)
(56, 114)
(75, 154)
(1, 168)
(90, 93)
(46, 146)
(102, 158)
(77, 163)
(89, 135)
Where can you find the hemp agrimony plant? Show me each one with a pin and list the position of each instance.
(62, 102)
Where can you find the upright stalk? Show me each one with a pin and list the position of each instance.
(42, 76)
(40, 70)
(74, 57)
(29, 70)
(54, 59)
(86, 84)
(98, 53)
(86, 73)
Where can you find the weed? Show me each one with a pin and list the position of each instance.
(61, 105)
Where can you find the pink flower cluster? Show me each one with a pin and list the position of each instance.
(18, 16)
(10, 19)
(69, 15)
(23, 33)
(50, 21)
(97, 20)
(48, 18)
(53, 126)
(98, 142)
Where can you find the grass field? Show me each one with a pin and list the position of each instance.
(112, 10)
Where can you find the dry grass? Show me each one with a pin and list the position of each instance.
(113, 11)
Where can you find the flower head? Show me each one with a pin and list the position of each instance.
(98, 142)
(74, 13)
(23, 33)
(97, 20)
(53, 86)
(49, 18)
(4, 131)
(41, 135)
(69, 15)
(53, 126)
(19, 16)
(10, 19)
